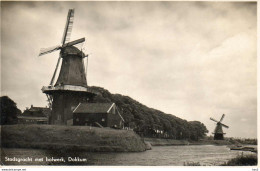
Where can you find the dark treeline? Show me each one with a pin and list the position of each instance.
(8, 111)
(151, 122)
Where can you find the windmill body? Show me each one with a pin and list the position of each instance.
(218, 132)
(71, 87)
(72, 68)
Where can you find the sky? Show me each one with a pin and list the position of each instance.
(194, 60)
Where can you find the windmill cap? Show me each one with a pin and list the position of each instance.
(72, 50)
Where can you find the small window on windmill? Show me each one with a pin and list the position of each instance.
(86, 119)
(59, 117)
(103, 120)
(77, 119)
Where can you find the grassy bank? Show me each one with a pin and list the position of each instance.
(65, 138)
(164, 142)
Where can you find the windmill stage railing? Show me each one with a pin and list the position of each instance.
(46, 89)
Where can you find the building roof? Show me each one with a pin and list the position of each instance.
(33, 109)
(37, 112)
(93, 108)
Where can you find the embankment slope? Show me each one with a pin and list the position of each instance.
(67, 138)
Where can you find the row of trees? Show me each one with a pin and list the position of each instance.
(151, 122)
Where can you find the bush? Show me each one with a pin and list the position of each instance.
(192, 164)
(242, 160)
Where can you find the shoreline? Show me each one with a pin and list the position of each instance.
(173, 142)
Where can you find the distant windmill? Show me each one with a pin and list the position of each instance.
(218, 132)
(71, 87)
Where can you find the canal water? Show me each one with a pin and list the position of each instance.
(207, 155)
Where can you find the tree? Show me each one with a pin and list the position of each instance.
(198, 130)
(8, 111)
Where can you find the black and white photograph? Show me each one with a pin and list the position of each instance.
(129, 83)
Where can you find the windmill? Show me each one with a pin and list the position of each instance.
(71, 87)
(218, 132)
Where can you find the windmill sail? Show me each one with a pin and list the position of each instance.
(222, 118)
(57, 65)
(213, 119)
(68, 27)
(65, 38)
(44, 51)
(224, 125)
(74, 42)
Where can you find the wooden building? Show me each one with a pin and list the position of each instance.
(34, 115)
(98, 114)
